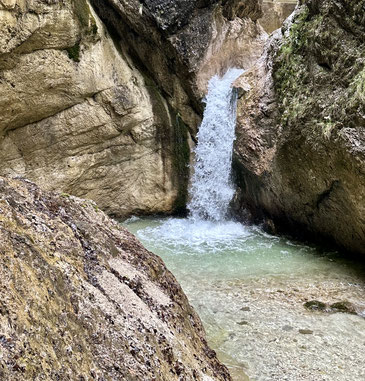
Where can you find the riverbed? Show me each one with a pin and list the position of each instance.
(249, 289)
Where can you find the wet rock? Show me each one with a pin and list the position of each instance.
(344, 307)
(299, 153)
(81, 296)
(315, 305)
(243, 322)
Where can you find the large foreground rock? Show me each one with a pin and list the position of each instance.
(81, 299)
(300, 151)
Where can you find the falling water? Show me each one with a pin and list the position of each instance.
(212, 189)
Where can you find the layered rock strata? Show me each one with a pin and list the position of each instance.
(80, 298)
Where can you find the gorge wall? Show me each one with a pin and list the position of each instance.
(106, 112)
(81, 299)
(76, 115)
(103, 100)
(300, 151)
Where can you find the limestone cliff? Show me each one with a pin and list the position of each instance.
(275, 12)
(300, 152)
(81, 299)
(103, 110)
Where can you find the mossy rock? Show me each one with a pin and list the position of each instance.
(85, 17)
(344, 307)
(74, 52)
(315, 305)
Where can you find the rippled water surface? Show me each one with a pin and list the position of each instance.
(249, 288)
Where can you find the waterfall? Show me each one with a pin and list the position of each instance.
(212, 188)
(207, 228)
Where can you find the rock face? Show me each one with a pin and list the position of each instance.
(82, 299)
(77, 116)
(275, 12)
(104, 112)
(300, 152)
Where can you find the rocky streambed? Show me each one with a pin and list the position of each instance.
(273, 309)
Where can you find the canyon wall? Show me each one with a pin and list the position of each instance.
(106, 111)
(300, 151)
(103, 100)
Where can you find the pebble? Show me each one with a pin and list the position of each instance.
(306, 331)
(245, 309)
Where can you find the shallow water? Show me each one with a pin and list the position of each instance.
(249, 288)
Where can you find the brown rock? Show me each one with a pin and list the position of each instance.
(306, 331)
(275, 12)
(81, 298)
(300, 143)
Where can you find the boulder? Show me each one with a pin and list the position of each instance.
(81, 298)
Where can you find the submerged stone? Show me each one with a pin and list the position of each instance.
(315, 305)
(306, 331)
(344, 307)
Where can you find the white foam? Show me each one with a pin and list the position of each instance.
(199, 236)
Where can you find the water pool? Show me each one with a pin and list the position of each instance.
(249, 289)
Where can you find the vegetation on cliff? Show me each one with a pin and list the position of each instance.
(301, 134)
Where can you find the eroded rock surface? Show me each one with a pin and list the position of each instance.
(275, 12)
(301, 131)
(103, 111)
(77, 116)
(80, 298)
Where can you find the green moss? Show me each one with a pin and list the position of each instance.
(74, 52)
(327, 127)
(94, 29)
(358, 87)
(290, 74)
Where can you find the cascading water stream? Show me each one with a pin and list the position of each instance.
(211, 187)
